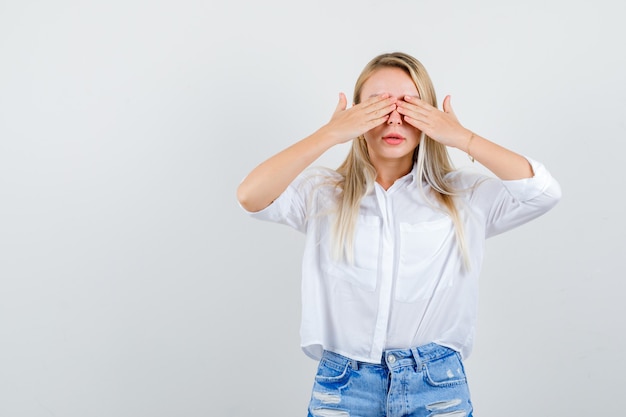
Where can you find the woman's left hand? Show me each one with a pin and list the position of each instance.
(442, 126)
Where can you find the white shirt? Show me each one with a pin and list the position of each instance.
(407, 286)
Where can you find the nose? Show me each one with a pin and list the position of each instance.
(394, 118)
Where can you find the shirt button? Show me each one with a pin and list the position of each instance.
(391, 358)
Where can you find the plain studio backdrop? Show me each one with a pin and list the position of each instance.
(132, 284)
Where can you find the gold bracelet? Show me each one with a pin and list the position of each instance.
(469, 142)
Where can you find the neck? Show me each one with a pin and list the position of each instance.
(387, 172)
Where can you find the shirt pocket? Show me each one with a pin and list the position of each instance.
(363, 272)
(420, 244)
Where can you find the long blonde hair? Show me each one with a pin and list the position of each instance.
(358, 173)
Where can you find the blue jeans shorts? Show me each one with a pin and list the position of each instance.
(425, 381)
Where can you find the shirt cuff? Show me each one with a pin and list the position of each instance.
(529, 188)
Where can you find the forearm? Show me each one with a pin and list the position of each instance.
(505, 164)
(269, 179)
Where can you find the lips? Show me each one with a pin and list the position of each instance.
(393, 139)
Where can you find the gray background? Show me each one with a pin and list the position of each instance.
(131, 283)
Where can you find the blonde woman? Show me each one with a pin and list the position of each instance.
(394, 242)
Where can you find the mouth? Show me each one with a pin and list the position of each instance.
(393, 139)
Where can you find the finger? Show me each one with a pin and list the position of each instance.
(377, 122)
(418, 102)
(418, 122)
(407, 109)
(381, 107)
(382, 111)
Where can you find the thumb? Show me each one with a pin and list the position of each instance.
(342, 104)
(447, 107)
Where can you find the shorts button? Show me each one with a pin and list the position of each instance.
(391, 358)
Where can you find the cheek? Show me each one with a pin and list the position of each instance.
(370, 135)
(370, 139)
(416, 135)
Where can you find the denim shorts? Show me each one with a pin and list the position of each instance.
(425, 381)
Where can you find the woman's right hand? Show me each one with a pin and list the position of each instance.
(349, 123)
(269, 179)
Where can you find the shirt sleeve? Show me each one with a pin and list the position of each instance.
(291, 208)
(509, 204)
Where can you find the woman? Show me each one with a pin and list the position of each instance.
(394, 242)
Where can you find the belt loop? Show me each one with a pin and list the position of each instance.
(418, 360)
(354, 364)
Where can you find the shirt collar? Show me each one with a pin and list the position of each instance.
(413, 176)
(408, 180)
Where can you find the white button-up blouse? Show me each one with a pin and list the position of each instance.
(407, 285)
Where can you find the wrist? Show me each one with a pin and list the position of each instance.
(326, 137)
(329, 136)
(468, 145)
